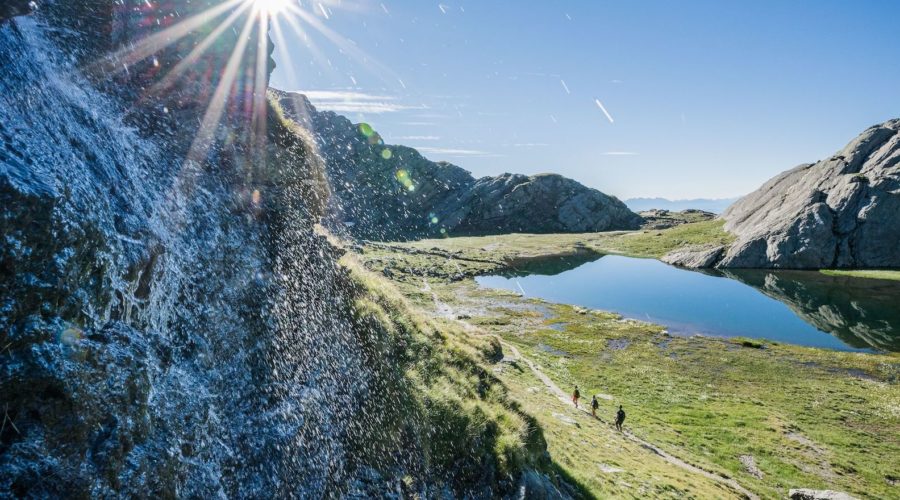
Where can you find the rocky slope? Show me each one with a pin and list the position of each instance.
(392, 192)
(170, 323)
(842, 212)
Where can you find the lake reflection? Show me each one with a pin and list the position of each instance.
(799, 307)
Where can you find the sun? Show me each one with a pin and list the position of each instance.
(271, 6)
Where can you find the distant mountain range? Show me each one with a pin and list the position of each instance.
(714, 205)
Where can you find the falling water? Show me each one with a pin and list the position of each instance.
(173, 327)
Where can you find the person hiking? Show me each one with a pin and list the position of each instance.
(575, 396)
(594, 405)
(620, 417)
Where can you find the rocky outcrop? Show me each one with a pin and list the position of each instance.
(658, 219)
(544, 203)
(392, 192)
(698, 257)
(842, 212)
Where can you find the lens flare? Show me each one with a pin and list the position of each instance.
(271, 6)
(241, 88)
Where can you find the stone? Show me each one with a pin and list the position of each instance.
(695, 257)
(809, 494)
(841, 212)
(656, 219)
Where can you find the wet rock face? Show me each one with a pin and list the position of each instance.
(168, 326)
(13, 8)
(842, 212)
(392, 192)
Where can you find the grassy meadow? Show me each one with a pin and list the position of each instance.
(770, 416)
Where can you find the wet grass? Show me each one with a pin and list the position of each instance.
(443, 406)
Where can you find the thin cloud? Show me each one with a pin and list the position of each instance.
(457, 152)
(348, 101)
(417, 138)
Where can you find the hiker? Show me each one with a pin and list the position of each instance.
(594, 405)
(575, 396)
(620, 417)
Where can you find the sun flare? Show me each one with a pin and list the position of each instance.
(271, 6)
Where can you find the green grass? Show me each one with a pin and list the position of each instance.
(439, 401)
(658, 243)
(598, 456)
(809, 417)
(864, 273)
(470, 256)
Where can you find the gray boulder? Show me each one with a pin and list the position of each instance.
(842, 212)
(808, 494)
(695, 257)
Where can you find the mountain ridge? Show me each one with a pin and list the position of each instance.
(392, 192)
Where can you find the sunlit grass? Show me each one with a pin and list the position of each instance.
(809, 417)
(893, 275)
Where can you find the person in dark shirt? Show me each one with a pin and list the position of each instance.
(620, 417)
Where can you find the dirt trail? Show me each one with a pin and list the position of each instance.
(566, 398)
(446, 311)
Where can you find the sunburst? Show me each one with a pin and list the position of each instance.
(271, 7)
(239, 76)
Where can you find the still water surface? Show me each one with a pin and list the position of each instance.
(798, 307)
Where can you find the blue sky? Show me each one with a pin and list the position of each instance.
(702, 98)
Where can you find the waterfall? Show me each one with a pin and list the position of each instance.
(171, 326)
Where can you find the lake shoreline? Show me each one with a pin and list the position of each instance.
(458, 258)
(710, 400)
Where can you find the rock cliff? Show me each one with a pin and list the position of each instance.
(840, 212)
(392, 192)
